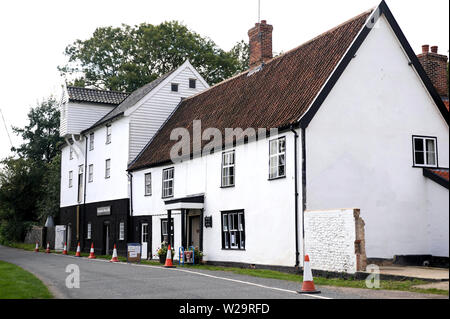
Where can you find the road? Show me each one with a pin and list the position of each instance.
(100, 279)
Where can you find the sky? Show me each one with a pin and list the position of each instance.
(34, 34)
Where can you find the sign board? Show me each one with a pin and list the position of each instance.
(208, 221)
(60, 236)
(104, 211)
(133, 252)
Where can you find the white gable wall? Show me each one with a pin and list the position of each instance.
(80, 116)
(150, 115)
(359, 151)
(69, 195)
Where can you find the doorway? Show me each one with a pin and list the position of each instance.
(144, 240)
(194, 231)
(106, 238)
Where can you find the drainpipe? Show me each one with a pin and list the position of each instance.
(303, 187)
(86, 171)
(130, 224)
(296, 197)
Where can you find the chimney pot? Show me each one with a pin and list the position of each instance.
(425, 48)
(434, 49)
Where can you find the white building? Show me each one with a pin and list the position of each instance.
(360, 125)
(104, 131)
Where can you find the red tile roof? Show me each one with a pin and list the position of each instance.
(274, 97)
(441, 172)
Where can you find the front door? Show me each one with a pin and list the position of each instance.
(144, 240)
(194, 231)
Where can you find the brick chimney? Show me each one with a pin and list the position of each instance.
(435, 66)
(260, 41)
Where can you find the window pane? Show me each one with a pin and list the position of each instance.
(430, 146)
(225, 222)
(420, 158)
(273, 147)
(418, 144)
(282, 145)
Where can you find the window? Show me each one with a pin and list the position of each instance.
(70, 179)
(148, 184)
(108, 134)
(233, 230)
(228, 169)
(80, 183)
(108, 168)
(121, 231)
(164, 232)
(425, 151)
(89, 231)
(91, 141)
(174, 87)
(167, 190)
(71, 153)
(277, 155)
(91, 173)
(192, 83)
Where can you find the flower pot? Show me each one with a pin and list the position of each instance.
(162, 259)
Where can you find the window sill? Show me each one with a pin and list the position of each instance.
(233, 249)
(167, 197)
(425, 166)
(231, 186)
(148, 195)
(275, 178)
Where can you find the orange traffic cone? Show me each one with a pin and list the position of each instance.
(65, 249)
(37, 247)
(78, 253)
(48, 248)
(169, 263)
(114, 255)
(91, 254)
(308, 282)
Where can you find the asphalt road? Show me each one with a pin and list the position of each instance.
(100, 279)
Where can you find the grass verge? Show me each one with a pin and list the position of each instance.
(17, 283)
(405, 285)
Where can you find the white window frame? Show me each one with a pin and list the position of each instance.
(172, 85)
(167, 190)
(148, 184)
(233, 230)
(91, 173)
(425, 152)
(193, 81)
(108, 133)
(228, 163)
(274, 158)
(70, 179)
(122, 231)
(89, 231)
(108, 168)
(91, 141)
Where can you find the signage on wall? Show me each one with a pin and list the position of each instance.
(208, 221)
(104, 211)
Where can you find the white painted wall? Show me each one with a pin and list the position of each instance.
(268, 205)
(359, 150)
(69, 195)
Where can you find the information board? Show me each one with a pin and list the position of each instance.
(133, 253)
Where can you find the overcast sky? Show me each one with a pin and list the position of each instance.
(33, 34)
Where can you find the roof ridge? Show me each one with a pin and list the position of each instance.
(98, 90)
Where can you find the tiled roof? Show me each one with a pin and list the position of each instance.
(442, 172)
(439, 175)
(131, 100)
(274, 97)
(446, 104)
(77, 94)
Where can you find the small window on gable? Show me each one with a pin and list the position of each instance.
(174, 87)
(425, 151)
(192, 83)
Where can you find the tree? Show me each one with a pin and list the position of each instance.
(48, 202)
(126, 58)
(41, 134)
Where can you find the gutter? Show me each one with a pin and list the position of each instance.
(296, 197)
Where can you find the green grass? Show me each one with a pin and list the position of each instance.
(405, 285)
(16, 283)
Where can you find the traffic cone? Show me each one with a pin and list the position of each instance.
(78, 253)
(65, 249)
(169, 263)
(48, 248)
(37, 247)
(114, 256)
(91, 254)
(308, 282)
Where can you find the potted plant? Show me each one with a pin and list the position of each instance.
(198, 256)
(162, 252)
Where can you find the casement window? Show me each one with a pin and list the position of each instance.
(91, 141)
(228, 171)
(71, 153)
(108, 134)
(148, 184)
(91, 173)
(80, 183)
(425, 151)
(192, 83)
(167, 182)
(108, 168)
(164, 231)
(121, 231)
(70, 179)
(174, 87)
(277, 158)
(233, 230)
(89, 231)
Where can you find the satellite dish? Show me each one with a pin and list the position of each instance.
(49, 222)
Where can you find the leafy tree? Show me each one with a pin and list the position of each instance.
(126, 58)
(41, 133)
(48, 203)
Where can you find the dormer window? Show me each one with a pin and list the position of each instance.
(108, 134)
(192, 83)
(174, 87)
(425, 151)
